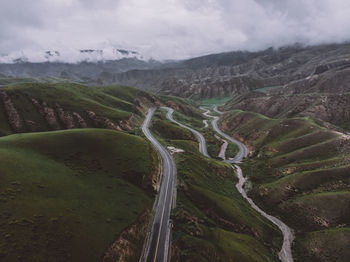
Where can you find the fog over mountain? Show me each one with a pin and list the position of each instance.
(70, 55)
(165, 29)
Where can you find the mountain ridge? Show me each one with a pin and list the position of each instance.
(296, 68)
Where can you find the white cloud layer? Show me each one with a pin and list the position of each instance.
(168, 29)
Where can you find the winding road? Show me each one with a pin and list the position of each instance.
(199, 136)
(157, 249)
(285, 254)
(242, 148)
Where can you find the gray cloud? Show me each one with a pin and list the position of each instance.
(169, 28)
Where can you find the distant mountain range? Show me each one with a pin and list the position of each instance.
(87, 66)
(295, 67)
(324, 67)
(69, 55)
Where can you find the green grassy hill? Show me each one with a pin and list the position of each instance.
(301, 172)
(32, 107)
(212, 222)
(68, 195)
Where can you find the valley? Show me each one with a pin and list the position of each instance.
(285, 254)
(258, 164)
(174, 131)
(236, 156)
(296, 167)
(197, 223)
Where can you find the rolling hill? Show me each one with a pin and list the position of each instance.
(75, 195)
(299, 171)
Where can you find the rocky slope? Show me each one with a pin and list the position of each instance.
(331, 108)
(323, 95)
(38, 107)
(238, 72)
(215, 75)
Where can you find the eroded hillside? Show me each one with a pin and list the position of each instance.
(33, 107)
(300, 172)
(320, 68)
(327, 108)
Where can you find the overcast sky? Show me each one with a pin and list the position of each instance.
(170, 29)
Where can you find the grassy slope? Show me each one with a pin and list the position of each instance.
(66, 195)
(10, 80)
(300, 171)
(211, 102)
(212, 221)
(321, 245)
(114, 102)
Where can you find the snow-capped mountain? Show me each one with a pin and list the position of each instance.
(69, 55)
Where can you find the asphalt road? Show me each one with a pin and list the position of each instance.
(199, 136)
(217, 110)
(159, 239)
(242, 149)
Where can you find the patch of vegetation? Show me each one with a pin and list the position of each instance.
(211, 102)
(324, 245)
(232, 150)
(67, 195)
(170, 130)
(196, 122)
(185, 106)
(179, 100)
(213, 144)
(11, 80)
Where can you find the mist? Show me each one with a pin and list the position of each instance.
(165, 29)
